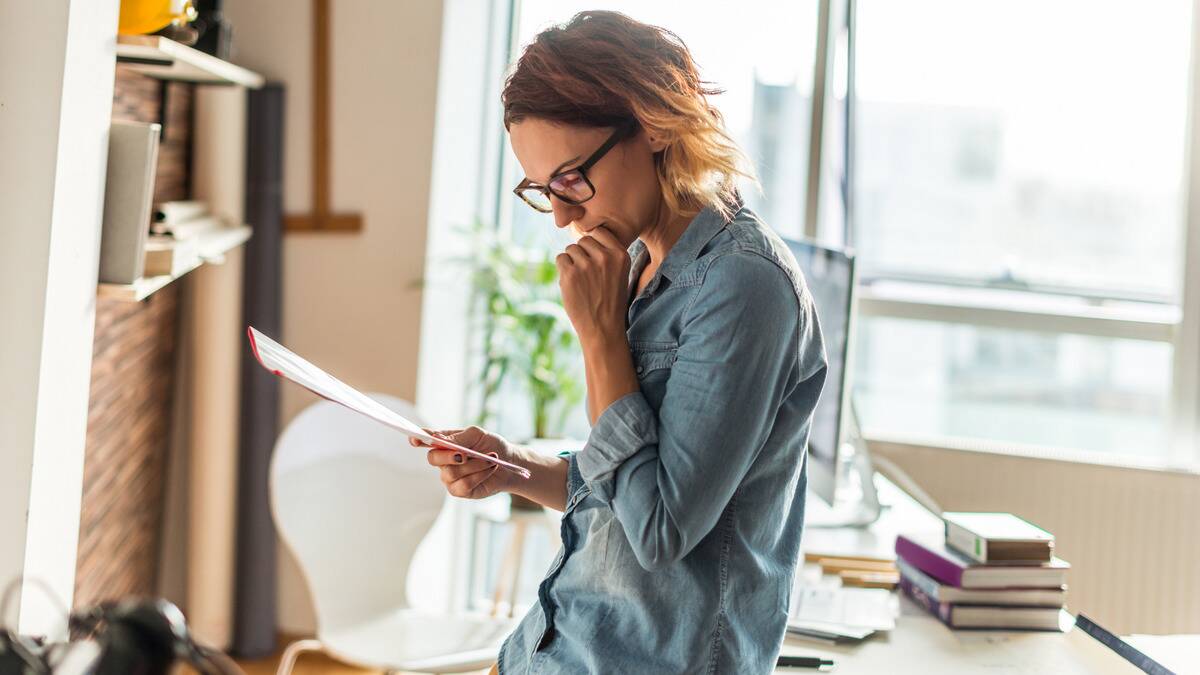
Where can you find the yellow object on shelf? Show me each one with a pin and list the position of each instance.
(141, 17)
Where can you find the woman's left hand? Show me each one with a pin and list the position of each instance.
(593, 274)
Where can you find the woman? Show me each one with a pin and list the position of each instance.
(703, 360)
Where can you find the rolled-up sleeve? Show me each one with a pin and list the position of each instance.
(668, 474)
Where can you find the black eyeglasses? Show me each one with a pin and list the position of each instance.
(571, 186)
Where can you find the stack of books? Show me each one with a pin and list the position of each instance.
(173, 245)
(991, 571)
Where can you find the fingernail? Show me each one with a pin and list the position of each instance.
(458, 458)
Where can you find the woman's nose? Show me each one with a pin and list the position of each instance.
(564, 213)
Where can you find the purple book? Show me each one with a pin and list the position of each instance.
(935, 559)
(986, 617)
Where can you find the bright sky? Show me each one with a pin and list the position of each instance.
(728, 41)
(1094, 89)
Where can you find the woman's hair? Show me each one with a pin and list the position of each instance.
(602, 69)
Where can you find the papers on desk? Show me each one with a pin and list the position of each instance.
(841, 614)
(285, 363)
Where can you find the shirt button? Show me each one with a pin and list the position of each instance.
(639, 370)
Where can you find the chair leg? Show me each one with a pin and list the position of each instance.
(519, 547)
(502, 575)
(288, 661)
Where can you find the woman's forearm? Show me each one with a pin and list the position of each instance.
(547, 484)
(608, 367)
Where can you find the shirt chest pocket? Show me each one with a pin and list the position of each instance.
(653, 360)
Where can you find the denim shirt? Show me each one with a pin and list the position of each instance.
(684, 508)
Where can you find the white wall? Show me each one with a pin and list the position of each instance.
(350, 300)
(56, 82)
(1130, 534)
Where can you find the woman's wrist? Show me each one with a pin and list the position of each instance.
(609, 365)
(547, 484)
(601, 339)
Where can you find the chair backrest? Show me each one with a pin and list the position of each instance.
(352, 499)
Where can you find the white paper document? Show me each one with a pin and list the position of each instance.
(285, 363)
(870, 608)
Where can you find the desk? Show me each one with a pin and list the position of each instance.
(922, 645)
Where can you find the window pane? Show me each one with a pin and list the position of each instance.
(1041, 142)
(767, 83)
(1070, 391)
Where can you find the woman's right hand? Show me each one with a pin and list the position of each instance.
(469, 477)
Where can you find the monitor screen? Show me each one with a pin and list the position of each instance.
(830, 276)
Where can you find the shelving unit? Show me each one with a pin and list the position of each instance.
(211, 248)
(166, 59)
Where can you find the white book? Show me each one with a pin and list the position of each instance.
(128, 192)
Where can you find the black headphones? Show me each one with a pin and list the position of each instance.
(127, 637)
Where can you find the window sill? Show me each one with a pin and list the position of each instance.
(1019, 310)
(898, 442)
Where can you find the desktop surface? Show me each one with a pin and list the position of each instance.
(922, 645)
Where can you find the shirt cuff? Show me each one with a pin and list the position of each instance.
(574, 480)
(624, 428)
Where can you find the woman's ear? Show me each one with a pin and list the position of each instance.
(657, 143)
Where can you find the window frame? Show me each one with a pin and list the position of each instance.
(1175, 324)
(1140, 319)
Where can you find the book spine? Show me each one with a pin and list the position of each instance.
(941, 610)
(929, 562)
(966, 542)
(919, 579)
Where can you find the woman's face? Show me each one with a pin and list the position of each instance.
(627, 190)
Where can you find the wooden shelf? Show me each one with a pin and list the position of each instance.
(211, 247)
(166, 59)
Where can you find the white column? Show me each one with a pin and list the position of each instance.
(56, 86)
(467, 133)
(1186, 381)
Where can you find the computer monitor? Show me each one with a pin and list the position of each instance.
(830, 276)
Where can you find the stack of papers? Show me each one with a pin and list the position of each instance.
(839, 614)
(284, 363)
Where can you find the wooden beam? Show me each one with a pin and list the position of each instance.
(321, 219)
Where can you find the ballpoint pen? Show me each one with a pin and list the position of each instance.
(802, 662)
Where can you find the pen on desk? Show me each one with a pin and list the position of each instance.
(802, 662)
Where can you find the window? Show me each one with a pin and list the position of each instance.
(1015, 142)
(1015, 190)
(1031, 147)
(761, 55)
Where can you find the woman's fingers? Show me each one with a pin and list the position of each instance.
(594, 248)
(468, 437)
(576, 254)
(443, 457)
(471, 485)
(606, 238)
(444, 434)
(456, 473)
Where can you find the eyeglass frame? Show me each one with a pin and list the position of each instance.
(624, 129)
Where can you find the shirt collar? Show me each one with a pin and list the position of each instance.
(706, 225)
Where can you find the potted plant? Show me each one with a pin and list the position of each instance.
(528, 342)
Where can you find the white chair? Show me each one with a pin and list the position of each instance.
(352, 500)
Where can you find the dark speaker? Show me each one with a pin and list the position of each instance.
(213, 31)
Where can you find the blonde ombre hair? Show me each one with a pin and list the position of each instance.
(602, 69)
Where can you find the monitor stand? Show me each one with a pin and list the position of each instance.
(856, 501)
